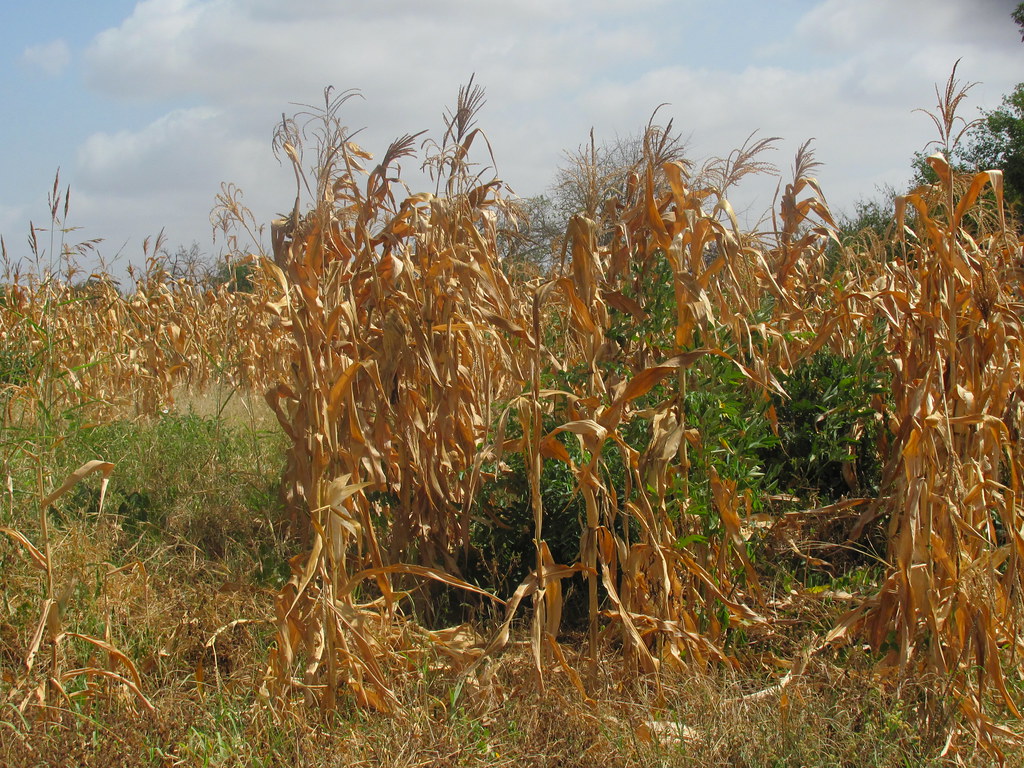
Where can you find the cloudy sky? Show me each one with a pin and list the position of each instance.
(147, 107)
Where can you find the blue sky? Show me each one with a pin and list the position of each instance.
(146, 107)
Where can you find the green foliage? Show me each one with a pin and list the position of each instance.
(827, 422)
(237, 275)
(729, 412)
(652, 287)
(16, 365)
(194, 480)
(735, 435)
(873, 215)
(503, 528)
(998, 142)
(869, 229)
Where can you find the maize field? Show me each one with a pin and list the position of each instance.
(422, 390)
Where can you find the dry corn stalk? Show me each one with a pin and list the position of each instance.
(33, 689)
(951, 601)
(405, 331)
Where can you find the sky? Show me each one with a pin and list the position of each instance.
(146, 108)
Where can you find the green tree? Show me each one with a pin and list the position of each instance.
(998, 142)
(868, 229)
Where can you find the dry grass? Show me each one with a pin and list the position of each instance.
(829, 718)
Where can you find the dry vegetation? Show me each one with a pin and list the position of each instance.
(695, 495)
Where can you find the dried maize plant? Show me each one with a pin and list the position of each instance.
(805, 310)
(57, 352)
(404, 333)
(663, 599)
(45, 685)
(802, 226)
(153, 310)
(88, 346)
(185, 335)
(56, 357)
(950, 603)
(75, 341)
(235, 323)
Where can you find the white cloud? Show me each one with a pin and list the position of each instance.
(407, 58)
(854, 26)
(167, 174)
(170, 153)
(863, 67)
(50, 59)
(848, 72)
(230, 50)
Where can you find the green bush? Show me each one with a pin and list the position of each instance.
(827, 421)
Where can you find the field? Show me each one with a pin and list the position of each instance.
(398, 492)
